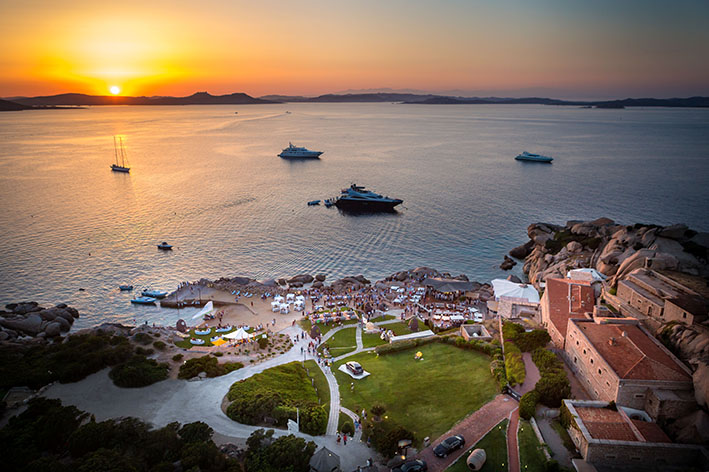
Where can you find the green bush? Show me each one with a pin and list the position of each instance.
(196, 432)
(287, 453)
(177, 357)
(262, 342)
(553, 387)
(385, 436)
(378, 410)
(546, 361)
(528, 342)
(528, 404)
(144, 352)
(347, 428)
(613, 291)
(514, 367)
(218, 354)
(139, 371)
(159, 345)
(208, 364)
(143, 338)
(70, 361)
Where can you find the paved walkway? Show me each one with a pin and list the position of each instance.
(512, 446)
(531, 377)
(472, 428)
(354, 417)
(551, 438)
(188, 401)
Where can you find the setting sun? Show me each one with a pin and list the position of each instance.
(115, 89)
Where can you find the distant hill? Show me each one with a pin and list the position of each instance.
(6, 105)
(628, 102)
(200, 98)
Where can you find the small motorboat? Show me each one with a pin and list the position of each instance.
(531, 157)
(144, 301)
(165, 246)
(154, 294)
(314, 202)
(125, 288)
(329, 203)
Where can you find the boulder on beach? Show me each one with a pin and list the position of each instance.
(240, 280)
(318, 284)
(320, 277)
(507, 264)
(53, 329)
(268, 283)
(522, 251)
(302, 279)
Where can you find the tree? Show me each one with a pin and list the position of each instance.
(196, 432)
(553, 387)
(287, 453)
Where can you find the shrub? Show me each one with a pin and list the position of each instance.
(159, 345)
(207, 364)
(347, 428)
(514, 367)
(196, 432)
(144, 352)
(385, 436)
(313, 420)
(528, 404)
(613, 291)
(528, 342)
(546, 361)
(177, 357)
(143, 338)
(378, 410)
(218, 354)
(262, 342)
(553, 387)
(139, 371)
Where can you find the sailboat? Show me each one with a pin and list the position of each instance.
(120, 151)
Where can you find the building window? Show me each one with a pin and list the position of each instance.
(577, 343)
(575, 359)
(584, 351)
(684, 315)
(639, 395)
(636, 458)
(599, 371)
(610, 456)
(591, 360)
(608, 383)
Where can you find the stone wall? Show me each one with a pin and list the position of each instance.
(636, 297)
(649, 456)
(585, 361)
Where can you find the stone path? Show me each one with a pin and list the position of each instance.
(354, 417)
(512, 446)
(532, 374)
(334, 417)
(472, 428)
(551, 437)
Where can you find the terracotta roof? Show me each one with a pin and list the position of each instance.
(561, 308)
(651, 432)
(603, 423)
(633, 356)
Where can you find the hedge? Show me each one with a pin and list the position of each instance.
(208, 364)
(528, 404)
(514, 367)
(553, 386)
(137, 372)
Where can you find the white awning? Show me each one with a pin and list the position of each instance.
(239, 334)
(505, 288)
(208, 308)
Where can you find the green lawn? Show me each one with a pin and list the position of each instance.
(531, 457)
(495, 445)
(371, 340)
(321, 386)
(428, 396)
(305, 324)
(341, 342)
(398, 328)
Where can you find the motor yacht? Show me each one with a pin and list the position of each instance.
(357, 198)
(531, 157)
(296, 152)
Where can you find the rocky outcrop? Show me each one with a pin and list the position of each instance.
(320, 277)
(30, 319)
(301, 279)
(612, 249)
(507, 264)
(691, 344)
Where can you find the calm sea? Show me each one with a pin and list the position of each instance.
(208, 181)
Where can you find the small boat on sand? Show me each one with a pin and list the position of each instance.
(125, 288)
(144, 301)
(154, 294)
(165, 246)
(531, 157)
(314, 202)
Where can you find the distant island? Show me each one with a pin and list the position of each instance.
(205, 98)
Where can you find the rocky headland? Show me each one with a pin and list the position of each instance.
(612, 249)
(29, 319)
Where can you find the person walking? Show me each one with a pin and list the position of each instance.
(344, 439)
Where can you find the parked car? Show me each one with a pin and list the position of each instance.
(416, 465)
(354, 367)
(449, 445)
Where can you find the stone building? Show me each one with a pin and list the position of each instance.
(562, 300)
(620, 439)
(664, 297)
(516, 307)
(617, 360)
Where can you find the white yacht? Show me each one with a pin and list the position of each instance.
(528, 156)
(356, 198)
(295, 152)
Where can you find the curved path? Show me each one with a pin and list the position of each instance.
(188, 401)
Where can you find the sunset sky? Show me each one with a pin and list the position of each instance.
(558, 48)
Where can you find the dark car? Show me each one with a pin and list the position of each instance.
(449, 445)
(354, 367)
(416, 465)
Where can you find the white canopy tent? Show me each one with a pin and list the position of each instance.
(275, 306)
(239, 334)
(505, 288)
(278, 298)
(208, 309)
